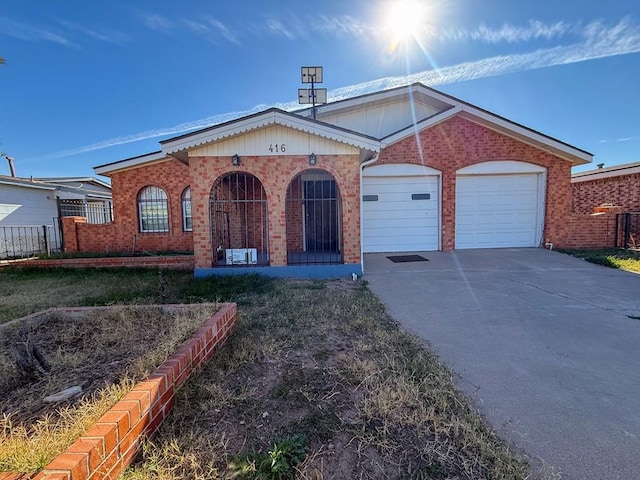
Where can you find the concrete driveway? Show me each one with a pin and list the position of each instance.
(542, 342)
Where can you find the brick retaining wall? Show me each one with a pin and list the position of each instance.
(110, 446)
(176, 262)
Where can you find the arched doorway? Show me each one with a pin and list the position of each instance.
(239, 221)
(314, 219)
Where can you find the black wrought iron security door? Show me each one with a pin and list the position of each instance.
(321, 215)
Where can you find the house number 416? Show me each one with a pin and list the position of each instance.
(277, 147)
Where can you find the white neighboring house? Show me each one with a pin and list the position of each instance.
(30, 209)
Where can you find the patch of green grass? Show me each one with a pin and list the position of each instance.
(25, 290)
(609, 257)
(278, 463)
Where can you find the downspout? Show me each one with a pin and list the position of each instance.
(362, 166)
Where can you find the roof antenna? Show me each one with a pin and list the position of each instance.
(312, 95)
(12, 168)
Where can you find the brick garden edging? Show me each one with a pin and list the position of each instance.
(177, 262)
(110, 446)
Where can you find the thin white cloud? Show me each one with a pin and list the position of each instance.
(341, 26)
(109, 36)
(623, 139)
(276, 26)
(29, 33)
(223, 30)
(197, 27)
(600, 42)
(156, 22)
(294, 27)
(212, 30)
(536, 30)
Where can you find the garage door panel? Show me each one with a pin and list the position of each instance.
(405, 244)
(405, 240)
(429, 206)
(497, 211)
(396, 222)
(394, 225)
(402, 199)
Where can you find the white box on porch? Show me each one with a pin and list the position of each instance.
(241, 256)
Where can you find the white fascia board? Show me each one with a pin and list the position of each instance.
(598, 175)
(27, 184)
(128, 163)
(426, 123)
(64, 180)
(575, 155)
(83, 180)
(270, 118)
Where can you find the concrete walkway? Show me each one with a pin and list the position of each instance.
(543, 343)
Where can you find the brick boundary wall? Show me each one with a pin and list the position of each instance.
(596, 230)
(590, 231)
(111, 445)
(621, 190)
(174, 262)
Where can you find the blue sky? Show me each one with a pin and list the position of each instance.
(87, 83)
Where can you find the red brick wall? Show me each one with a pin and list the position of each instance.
(457, 143)
(623, 191)
(295, 240)
(121, 235)
(275, 173)
(590, 231)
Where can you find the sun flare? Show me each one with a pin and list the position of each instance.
(404, 19)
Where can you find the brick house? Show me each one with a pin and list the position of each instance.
(618, 185)
(402, 170)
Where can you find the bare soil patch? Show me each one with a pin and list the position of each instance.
(323, 360)
(104, 351)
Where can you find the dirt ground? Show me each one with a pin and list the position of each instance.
(322, 359)
(90, 348)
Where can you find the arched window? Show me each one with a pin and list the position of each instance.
(153, 210)
(187, 222)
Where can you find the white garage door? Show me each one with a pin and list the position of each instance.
(494, 211)
(400, 212)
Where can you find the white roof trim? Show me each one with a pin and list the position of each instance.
(615, 171)
(128, 163)
(26, 184)
(63, 180)
(269, 118)
(399, 170)
(494, 167)
(426, 123)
